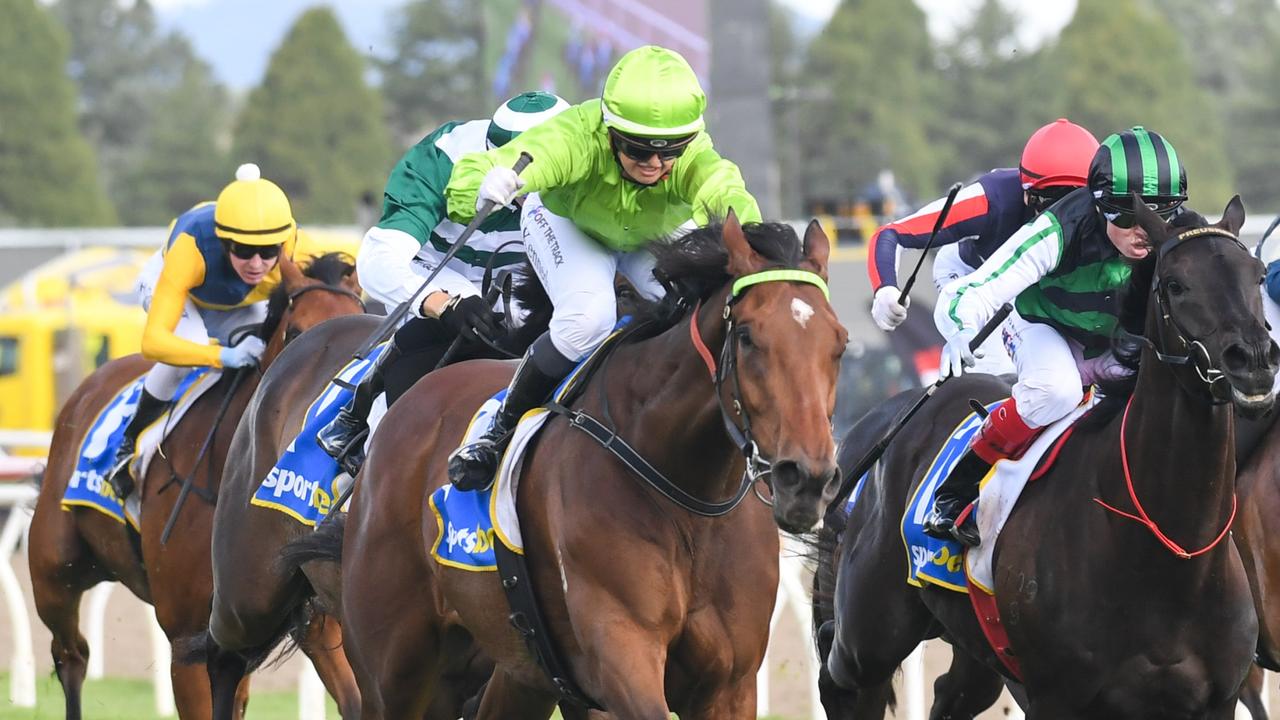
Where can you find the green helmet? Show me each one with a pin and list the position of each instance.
(521, 113)
(1137, 161)
(653, 93)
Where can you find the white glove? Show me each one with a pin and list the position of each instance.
(499, 185)
(956, 355)
(885, 309)
(244, 354)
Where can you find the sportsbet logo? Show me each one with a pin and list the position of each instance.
(306, 492)
(472, 541)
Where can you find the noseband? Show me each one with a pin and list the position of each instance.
(1197, 355)
(335, 289)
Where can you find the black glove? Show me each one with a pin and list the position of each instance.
(470, 316)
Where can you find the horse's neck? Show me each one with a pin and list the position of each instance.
(1181, 456)
(663, 400)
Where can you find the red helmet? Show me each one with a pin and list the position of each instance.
(1057, 154)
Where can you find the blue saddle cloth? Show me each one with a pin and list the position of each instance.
(88, 486)
(302, 483)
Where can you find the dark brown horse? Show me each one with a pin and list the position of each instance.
(1108, 617)
(71, 551)
(654, 608)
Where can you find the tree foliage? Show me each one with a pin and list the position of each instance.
(436, 71)
(874, 100)
(47, 171)
(1119, 64)
(314, 126)
(139, 87)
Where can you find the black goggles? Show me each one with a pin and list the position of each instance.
(642, 148)
(1039, 199)
(1119, 211)
(246, 252)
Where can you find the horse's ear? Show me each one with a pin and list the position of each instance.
(817, 248)
(1157, 229)
(742, 258)
(351, 281)
(290, 272)
(1233, 217)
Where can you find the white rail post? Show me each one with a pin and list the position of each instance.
(161, 668)
(913, 685)
(311, 693)
(94, 629)
(22, 663)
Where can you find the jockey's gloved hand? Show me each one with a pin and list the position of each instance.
(499, 185)
(470, 315)
(246, 353)
(956, 355)
(885, 309)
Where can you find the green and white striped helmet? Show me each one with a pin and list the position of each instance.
(653, 93)
(1137, 161)
(521, 113)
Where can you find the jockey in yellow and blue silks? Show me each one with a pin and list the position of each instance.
(214, 274)
(608, 176)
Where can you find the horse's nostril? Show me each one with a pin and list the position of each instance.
(1273, 354)
(1235, 357)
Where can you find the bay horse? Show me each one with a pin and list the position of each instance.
(73, 550)
(654, 608)
(1107, 617)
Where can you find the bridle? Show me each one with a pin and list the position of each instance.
(758, 468)
(1196, 354)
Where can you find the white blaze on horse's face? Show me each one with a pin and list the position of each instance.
(801, 311)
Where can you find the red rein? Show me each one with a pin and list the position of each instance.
(1142, 515)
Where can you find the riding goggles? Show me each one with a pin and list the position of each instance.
(642, 148)
(246, 252)
(1119, 210)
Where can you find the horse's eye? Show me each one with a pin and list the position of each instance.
(744, 336)
(1175, 287)
(1262, 279)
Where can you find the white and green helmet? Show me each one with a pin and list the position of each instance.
(521, 113)
(653, 93)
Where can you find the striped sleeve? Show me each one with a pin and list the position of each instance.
(968, 217)
(1026, 257)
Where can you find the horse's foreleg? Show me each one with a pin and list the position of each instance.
(1253, 691)
(59, 608)
(507, 697)
(966, 689)
(323, 644)
(191, 690)
(227, 676)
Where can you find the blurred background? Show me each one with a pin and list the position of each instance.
(118, 115)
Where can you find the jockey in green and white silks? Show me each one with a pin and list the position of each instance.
(1062, 272)
(409, 242)
(607, 176)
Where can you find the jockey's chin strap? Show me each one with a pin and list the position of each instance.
(1197, 355)
(758, 468)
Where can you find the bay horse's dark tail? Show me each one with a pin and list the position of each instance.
(324, 545)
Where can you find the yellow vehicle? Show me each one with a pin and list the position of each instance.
(65, 318)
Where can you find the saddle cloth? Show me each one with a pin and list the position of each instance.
(305, 481)
(945, 562)
(88, 486)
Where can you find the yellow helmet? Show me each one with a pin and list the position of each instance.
(253, 211)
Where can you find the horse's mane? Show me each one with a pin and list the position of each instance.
(695, 265)
(1130, 325)
(329, 268)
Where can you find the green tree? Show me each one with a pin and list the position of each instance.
(47, 170)
(436, 71)
(873, 101)
(314, 126)
(130, 78)
(987, 79)
(1119, 64)
(1253, 119)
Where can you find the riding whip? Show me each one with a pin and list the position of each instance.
(937, 225)
(846, 485)
(388, 325)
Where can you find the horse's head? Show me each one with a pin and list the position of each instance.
(308, 295)
(788, 344)
(1206, 318)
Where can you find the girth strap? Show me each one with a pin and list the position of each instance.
(610, 441)
(527, 619)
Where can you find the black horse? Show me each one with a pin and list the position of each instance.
(1108, 617)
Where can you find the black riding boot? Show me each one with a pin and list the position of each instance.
(353, 419)
(149, 409)
(956, 493)
(472, 467)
